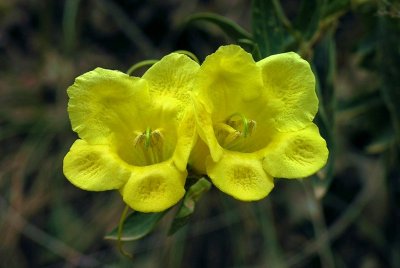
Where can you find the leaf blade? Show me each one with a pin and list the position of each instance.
(188, 205)
(136, 226)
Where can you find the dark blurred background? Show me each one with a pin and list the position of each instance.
(345, 216)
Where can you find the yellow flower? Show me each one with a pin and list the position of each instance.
(135, 134)
(255, 121)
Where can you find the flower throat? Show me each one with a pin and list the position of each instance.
(150, 143)
(233, 133)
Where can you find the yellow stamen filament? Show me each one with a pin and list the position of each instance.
(151, 145)
(231, 132)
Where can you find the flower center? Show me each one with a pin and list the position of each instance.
(233, 133)
(150, 144)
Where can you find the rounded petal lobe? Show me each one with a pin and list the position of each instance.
(206, 130)
(94, 167)
(296, 154)
(227, 79)
(172, 76)
(187, 136)
(240, 175)
(154, 188)
(103, 103)
(289, 86)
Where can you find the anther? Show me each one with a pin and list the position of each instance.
(239, 122)
(151, 144)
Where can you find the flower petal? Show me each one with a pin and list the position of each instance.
(198, 156)
(296, 154)
(229, 74)
(187, 137)
(94, 167)
(290, 88)
(172, 76)
(240, 175)
(103, 103)
(154, 188)
(206, 130)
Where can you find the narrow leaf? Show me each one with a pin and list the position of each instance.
(336, 6)
(325, 66)
(231, 28)
(309, 17)
(389, 63)
(136, 226)
(189, 203)
(267, 28)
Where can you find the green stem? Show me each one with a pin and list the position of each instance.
(189, 54)
(140, 65)
(120, 228)
(319, 225)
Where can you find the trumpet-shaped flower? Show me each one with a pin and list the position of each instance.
(135, 134)
(255, 121)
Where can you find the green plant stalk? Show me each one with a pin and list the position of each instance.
(268, 230)
(120, 229)
(69, 24)
(319, 225)
(139, 65)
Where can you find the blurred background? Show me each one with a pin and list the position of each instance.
(347, 215)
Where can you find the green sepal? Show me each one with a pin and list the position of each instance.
(188, 204)
(137, 225)
(229, 27)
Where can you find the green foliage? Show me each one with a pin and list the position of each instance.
(389, 60)
(268, 28)
(229, 27)
(136, 226)
(188, 204)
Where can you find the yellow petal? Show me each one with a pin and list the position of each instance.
(296, 154)
(290, 89)
(198, 156)
(154, 188)
(206, 130)
(240, 175)
(103, 103)
(228, 78)
(187, 136)
(94, 167)
(172, 76)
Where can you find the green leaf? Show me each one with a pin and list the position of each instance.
(309, 17)
(389, 62)
(189, 203)
(336, 6)
(231, 28)
(136, 226)
(324, 64)
(268, 30)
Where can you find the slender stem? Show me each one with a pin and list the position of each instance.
(189, 54)
(140, 65)
(120, 228)
(319, 226)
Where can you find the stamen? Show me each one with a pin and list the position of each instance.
(151, 145)
(239, 121)
(231, 132)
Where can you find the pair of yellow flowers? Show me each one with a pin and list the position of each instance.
(238, 121)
